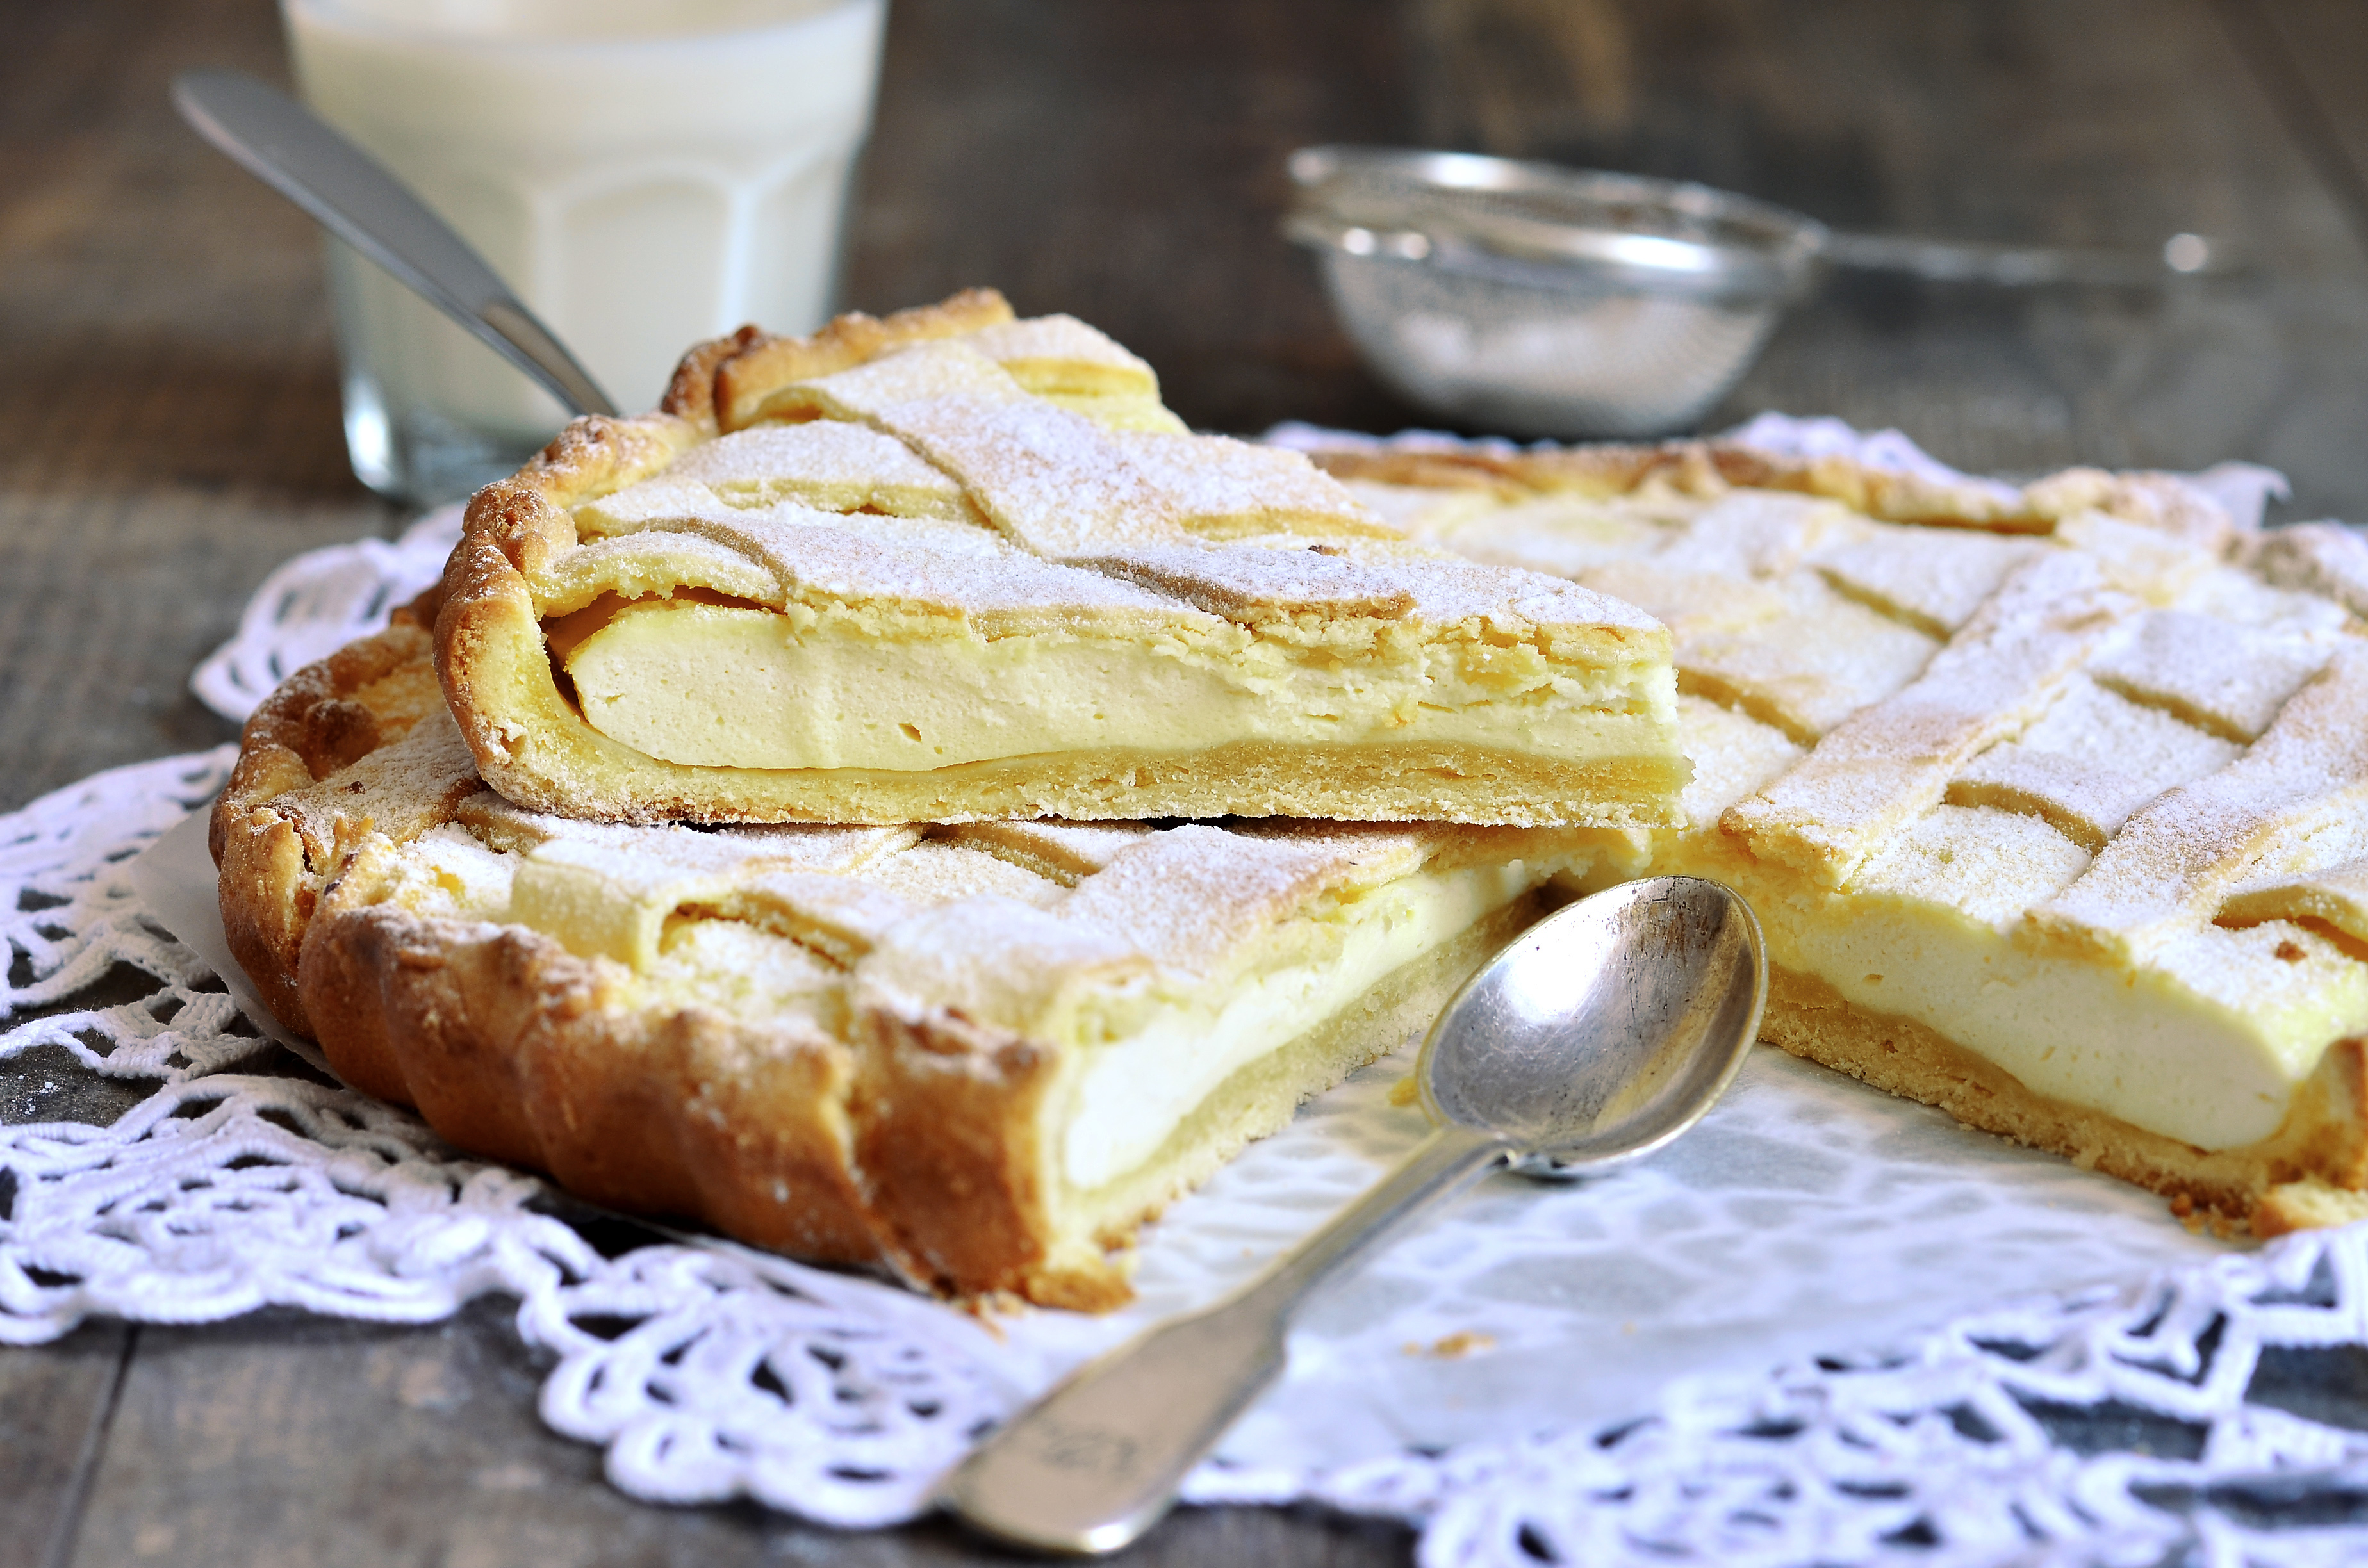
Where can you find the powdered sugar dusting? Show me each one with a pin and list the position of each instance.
(1192, 897)
(943, 369)
(2091, 761)
(1063, 343)
(2170, 864)
(1934, 580)
(1888, 762)
(941, 430)
(1064, 851)
(1255, 585)
(1223, 487)
(513, 829)
(951, 569)
(1051, 480)
(2336, 896)
(936, 872)
(2322, 557)
(644, 862)
(1186, 900)
(401, 790)
(838, 465)
(2230, 680)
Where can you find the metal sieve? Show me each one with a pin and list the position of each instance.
(1542, 300)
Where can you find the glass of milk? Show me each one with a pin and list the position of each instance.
(642, 173)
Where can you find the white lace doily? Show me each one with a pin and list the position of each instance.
(1544, 1375)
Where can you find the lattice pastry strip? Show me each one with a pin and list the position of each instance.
(2335, 898)
(2092, 761)
(830, 465)
(1894, 759)
(2227, 680)
(1932, 581)
(2327, 559)
(2171, 865)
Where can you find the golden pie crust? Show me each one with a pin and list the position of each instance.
(869, 1119)
(1240, 566)
(2084, 727)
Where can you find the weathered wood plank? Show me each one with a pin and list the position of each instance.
(289, 1439)
(164, 321)
(1124, 164)
(167, 386)
(2094, 122)
(2312, 57)
(284, 1439)
(108, 602)
(54, 1405)
(168, 394)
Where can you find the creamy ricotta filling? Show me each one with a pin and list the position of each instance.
(1136, 1090)
(724, 686)
(2216, 1073)
(2186, 1044)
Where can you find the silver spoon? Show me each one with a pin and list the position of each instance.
(352, 194)
(1598, 1035)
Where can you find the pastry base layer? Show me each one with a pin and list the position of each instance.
(2325, 1133)
(1393, 783)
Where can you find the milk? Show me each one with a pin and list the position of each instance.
(644, 175)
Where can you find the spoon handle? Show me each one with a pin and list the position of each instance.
(1095, 1462)
(351, 194)
(1970, 261)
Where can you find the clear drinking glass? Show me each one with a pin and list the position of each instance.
(642, 173)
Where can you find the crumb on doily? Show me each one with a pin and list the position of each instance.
(2198, 1218)
(1449, 1347)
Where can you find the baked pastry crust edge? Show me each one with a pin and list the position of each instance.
(2323, 1141)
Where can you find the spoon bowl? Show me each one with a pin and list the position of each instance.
(1605, 1029)
(1598, 1035)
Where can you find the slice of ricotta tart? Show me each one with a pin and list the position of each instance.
(2052, 801)
(979, 1053)
(952, 566)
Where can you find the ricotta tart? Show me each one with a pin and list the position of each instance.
(2052, 801)
(978, 1053)
(950, 566)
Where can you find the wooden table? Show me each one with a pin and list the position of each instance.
(168, 432)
